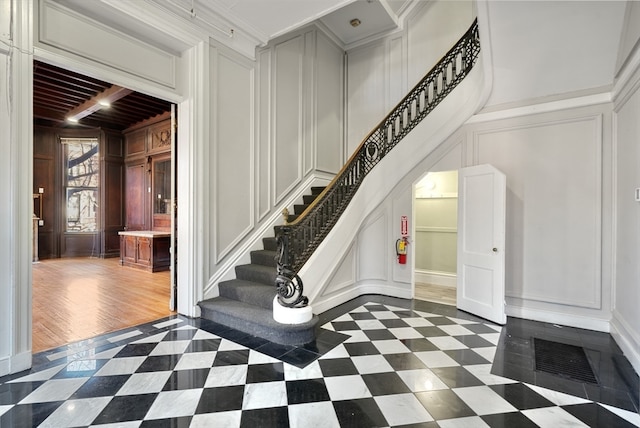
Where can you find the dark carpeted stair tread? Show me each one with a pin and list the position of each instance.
(248, 292)
(316, 190)
(270, 244)
(307, 199)
(264, 257)
(299, 208)
(257, 273)
(257, 321)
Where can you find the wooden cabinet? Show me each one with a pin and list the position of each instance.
(148, 250)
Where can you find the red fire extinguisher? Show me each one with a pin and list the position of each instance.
(401, 250)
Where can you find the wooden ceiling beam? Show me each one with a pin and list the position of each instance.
(92, 105)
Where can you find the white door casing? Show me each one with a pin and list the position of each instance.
(481, 242)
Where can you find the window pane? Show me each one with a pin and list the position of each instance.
(82, 163)
(82, 205)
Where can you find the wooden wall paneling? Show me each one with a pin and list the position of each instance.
(136, 195)
(44, 176)
(112, 194)
(159, 137)
(136, 143)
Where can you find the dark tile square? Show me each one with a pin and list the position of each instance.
(275, 350)
(406, 314)
(430, 331)
(251, 342)
(345, 325)
(521, 396)
(376, 308)
(230, 358)
(361, 348)
(186, 379)
(595, 415)
(28, 415)
(274, 417)
(307, 391)
(444, 404)
(419, 345)
(12, 393)
(205, 345)
(456, 377)
(331, 337)
(473, 341)
(394, 323)
(508, 420)
(180, 334)
(612, 397)
(125, 408)
(80, 368)
(220, 399)
(136, 350)
(160, 363)
(100, 386)
(299, 357)
(337, 367)
(269, 372)
(381, 334)
(560, 384)
(444, 321)
(404, 361)
(510, 371)
(385, 384)
(182, 422)
(362, 413)
(466, 357)
(478, 328)
(362, 316)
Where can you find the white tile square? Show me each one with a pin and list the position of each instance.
(418, 322)
(370, 325)
(360, 309)
(456, 330)
(356, 336)
(264, 395)
(433, 359)
(5, 409)
(468, 422)
(338, 352)
(203, 335)
(318, 415)
(405, 333)
(385, 315)
(346, 387)
(484, 400)
(152, 339)
(483, 372)
(54, 390)
(196, 360)
(170, 347)
(390, 346)
(344, 317)
(256, 357)
(119, 366)
(174, 404)
(108, 354)
(553, 417)
(631, 417)
(426, 314)
(461, 321)
(491, 337)
(226, 376)
(74, 413)
(144, 383)
(218, 420)
(227, 345)
(557, 398)
(39, 376)
(371, 364)
(311, 371)
(487, 352)
(421, 380)
(402, 409)
(447, 343)
(130, 424)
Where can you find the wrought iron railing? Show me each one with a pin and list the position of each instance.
(299, 239)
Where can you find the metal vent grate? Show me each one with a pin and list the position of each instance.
(563, 360)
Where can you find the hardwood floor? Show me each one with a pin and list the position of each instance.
(435, 293)
(79, 298)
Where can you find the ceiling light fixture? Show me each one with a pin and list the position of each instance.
(101, 100)
(104, 103)
(355, 22)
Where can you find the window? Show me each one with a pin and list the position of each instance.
(82, 179)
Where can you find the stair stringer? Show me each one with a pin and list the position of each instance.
(464, 101)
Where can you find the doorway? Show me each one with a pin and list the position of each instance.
(435, 207)
(73, 291)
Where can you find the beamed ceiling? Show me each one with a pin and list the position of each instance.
(59, 93)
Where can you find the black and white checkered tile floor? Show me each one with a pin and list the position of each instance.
(382, 363)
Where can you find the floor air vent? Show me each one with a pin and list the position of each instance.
(563, 360)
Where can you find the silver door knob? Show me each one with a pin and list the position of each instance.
(495, 250)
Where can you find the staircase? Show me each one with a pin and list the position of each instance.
(246, 303)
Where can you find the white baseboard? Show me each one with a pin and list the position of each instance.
(443, 279)
(15, 363)
(559, 318)
(624, 337)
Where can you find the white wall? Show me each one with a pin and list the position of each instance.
(626, 293)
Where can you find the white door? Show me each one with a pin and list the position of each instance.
(481, 240)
